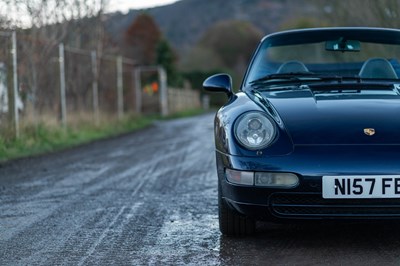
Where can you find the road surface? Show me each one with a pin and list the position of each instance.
(149, 198)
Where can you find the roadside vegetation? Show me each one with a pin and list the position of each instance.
(41, 138)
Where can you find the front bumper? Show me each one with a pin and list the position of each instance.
(305, 201)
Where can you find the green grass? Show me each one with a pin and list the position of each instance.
(40, 139)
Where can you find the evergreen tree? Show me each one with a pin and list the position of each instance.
(167, 58)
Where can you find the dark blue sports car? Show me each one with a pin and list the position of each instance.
(314, 132)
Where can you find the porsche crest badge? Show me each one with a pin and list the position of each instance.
(369, 131)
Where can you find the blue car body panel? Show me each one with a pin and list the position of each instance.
(320, 131)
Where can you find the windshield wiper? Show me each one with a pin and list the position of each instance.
(299, 77)
(280, 81)
(294, 76)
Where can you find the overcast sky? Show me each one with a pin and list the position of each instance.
(125, 5)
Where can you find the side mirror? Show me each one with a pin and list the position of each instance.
(219, 83)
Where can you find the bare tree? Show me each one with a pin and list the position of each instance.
(383, 13)
(43, 24)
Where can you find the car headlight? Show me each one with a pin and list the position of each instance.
(254, 130)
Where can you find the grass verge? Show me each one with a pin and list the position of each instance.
(40, 139)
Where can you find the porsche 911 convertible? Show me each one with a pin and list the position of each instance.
(314, 131)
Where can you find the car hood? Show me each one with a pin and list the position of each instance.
(338, 117)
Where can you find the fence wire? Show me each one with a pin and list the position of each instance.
(63, 85)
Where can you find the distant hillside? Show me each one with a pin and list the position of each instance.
(184, 22)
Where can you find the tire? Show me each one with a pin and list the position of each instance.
(230, 222)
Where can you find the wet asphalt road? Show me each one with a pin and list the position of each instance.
(149, 198)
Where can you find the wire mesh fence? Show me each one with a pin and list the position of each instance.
(49, 83)
(38, 81)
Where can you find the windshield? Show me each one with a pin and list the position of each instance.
(361, 53)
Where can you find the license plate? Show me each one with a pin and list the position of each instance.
(355, 187)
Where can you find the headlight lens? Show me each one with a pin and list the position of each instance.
(254, 130)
